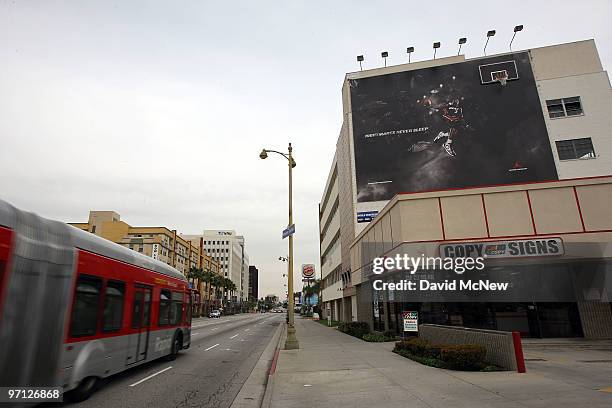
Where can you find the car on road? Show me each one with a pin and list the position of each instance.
(214, 314)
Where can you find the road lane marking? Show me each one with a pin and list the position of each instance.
(212, 347)
(235, 335)
(151, 376)
(214, 328)
(247, 329)
(193, 334)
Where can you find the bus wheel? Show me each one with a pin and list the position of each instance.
(177, 344)
(84, 390)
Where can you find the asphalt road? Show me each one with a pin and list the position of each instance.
(210, 373)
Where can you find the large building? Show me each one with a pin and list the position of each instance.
(159, 243)
(499, 150)
(229, 249)
(253, 283)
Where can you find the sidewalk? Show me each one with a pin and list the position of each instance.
(332, 369)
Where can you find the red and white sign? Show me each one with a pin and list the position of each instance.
(308, 271)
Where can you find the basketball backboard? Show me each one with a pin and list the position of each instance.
(494, 73)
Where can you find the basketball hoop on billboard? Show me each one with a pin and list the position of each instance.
(308, 271)
(500, 76)
(498, 73)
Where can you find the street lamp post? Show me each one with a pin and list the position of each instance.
(291, 343)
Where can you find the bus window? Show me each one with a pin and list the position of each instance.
(188, 297)
(176, 311)
(113, 306)
(85, 308)
(137, 309)
(147, 308)
(164, 307)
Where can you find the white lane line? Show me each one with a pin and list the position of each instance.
(151, 376)
(212, 347)
(214, 328)
(193, 334)
(235, 335)
(247, 329)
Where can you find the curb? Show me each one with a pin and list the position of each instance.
(253, 391)
(267, 397)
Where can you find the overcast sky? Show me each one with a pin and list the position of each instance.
(159, 109)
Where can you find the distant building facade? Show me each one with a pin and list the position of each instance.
(229, 250)
(159, 243)
(253, 282)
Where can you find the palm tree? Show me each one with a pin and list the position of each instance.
(311, 289)
(218, 282)
(192, 274)
(229, 287)
(196, 275)
(207, 278)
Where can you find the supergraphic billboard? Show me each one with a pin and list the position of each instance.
(451, 126)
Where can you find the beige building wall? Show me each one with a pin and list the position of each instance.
(577, 211)
(572, 209)
(171, 249)
(569, 70)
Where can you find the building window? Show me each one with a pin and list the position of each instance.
(559, 108)
(575, 149)
(113, 306)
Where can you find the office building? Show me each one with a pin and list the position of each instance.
(253, 282)
(503, 151)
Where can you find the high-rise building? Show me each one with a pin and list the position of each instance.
(497, 150)
(253, 282)
(227, 248)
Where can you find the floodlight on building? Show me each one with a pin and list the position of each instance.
(409, 50)
(462, 41)
(384, 54)
(490, 34)
(360, 60)
(516, 30)
(436, 45)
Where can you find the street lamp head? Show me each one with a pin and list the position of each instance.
(263, 155)
(293, 163)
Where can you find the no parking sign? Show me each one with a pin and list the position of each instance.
(411, 321)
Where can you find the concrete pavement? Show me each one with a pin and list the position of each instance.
(332, 369)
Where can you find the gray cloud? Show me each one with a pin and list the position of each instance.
(159, 111)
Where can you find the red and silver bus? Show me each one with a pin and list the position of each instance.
(75, 308)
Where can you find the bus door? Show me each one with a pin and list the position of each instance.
(141, 320)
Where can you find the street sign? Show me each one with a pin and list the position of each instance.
(411, 321)
(366, 216)
(290, 230)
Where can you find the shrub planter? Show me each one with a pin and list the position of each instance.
(466, 357)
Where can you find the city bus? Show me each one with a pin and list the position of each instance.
(76, 308)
